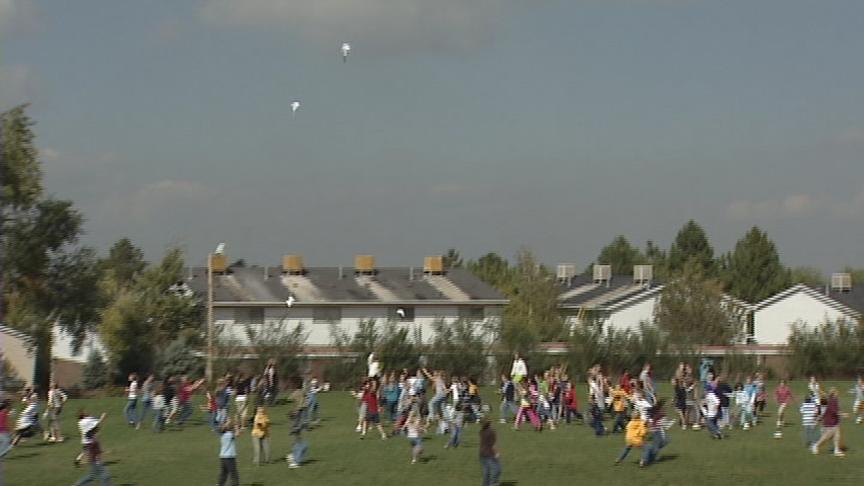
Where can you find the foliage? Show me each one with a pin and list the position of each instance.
(753, 270)
(452, 259)
(655, 256)
(532, 315)
(495, 270)
(806, 275)
(19, 160)
(459, 347)
(621, 255)
(275, 340)
(396, 348)
(178, 358)
(833, 348)
(691, 243)
(95, 374)
(125, 262)
(693, 311)
(616, 349)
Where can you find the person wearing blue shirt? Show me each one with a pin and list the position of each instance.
(228, 453)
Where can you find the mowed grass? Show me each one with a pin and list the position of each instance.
(568, 455)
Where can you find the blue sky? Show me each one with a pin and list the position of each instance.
(484, 125)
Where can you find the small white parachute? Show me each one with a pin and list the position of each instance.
(346, 49)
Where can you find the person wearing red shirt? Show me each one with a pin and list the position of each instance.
(5, 440)
(784, 397)
(370, 398)
(571, 403)
(624, 381)
(184, 397)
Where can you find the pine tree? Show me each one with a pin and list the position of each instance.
(753, 271)
(691, 243)
(95, 373)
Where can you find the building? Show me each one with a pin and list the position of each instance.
(774, 317)
(324, 299)
(67, 362)
(612, 301)
(16, 349)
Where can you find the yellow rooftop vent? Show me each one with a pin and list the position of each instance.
(364, 264)
(433, 264)
(292, 264)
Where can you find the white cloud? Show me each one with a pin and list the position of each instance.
(387, 24)
(16, 85)
(798, 206)
(49, 154)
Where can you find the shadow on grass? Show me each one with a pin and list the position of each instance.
(666, 458)
(20, 456)
(508, 483)
(428, 459)
(111, 463)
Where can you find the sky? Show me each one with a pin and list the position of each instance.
(484, 125)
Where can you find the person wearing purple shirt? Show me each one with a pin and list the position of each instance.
(830, 425)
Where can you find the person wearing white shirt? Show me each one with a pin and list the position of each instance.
(710, 408)
(519, 370)
(374, 366)
(132, 400)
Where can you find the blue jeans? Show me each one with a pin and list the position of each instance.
(491, 470)
(811, 435)
(5, 443)
(508, 409)
(97, 471)
(650, 452)
(712, 426)
(455, 436)
(185, 412)
(597, 420)
(158, 420)
(298, 451)
(435, 404)
(624, 453)
(129, 411)
(145, 406)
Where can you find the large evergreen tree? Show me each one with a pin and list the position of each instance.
(691, 243)
(532, 315)
(621, 255)
(753, 271)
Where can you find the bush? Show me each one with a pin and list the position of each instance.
(178, 359)
(95, 371)
(832, 349)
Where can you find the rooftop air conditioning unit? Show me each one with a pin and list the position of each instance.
(841, 282)
(566, 272)
(643, 274)
(433, 265)
(364, 264)
(292, 264)
(218, 263)
(602, 273)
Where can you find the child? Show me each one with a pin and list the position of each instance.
(88, 427)
(94, 455)
(783, 394)
(830, 425)
(508, 399)
(457, 421)
(56, 399)
(5, 441)
(634, 436)
(619, 407)
(28, 421)
(414, 431)
(228, 453)
(809, 416)
(300, 447)
(571, 401)
(858, 404)
(657, 425)
(147, 389)
(526, 411)
(261, 436)
(681, 401)
(744, 400)
(131, 400)
(710, 409)
(158, 405)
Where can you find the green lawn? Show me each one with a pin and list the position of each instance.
(337, 456)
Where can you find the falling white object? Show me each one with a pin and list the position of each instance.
(346, 49)
(290, 302)
(400, 312)
(295, 105)
(220, 249)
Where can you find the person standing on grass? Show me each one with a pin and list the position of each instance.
(241, 400)
(519, 370)
(681, 401)
(184, 397)
(457, 422)
(571, 402)
(271, 380)
(830, 425)
(634, 436)
(261, 436)
(783, 395)
(97, 469)
(370, 398)
(228, 433)
(5, 439)
(724, 393)
(809, 418)
(414, 433)
(88, 427)
(56, 399)
(489, 458)
(147, 389)
(647, 380)
(131, 400)
(619, 408)
(159, 408)
(710, 410)
(858, 404)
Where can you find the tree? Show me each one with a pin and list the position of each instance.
(656, 257)
(396, 348)
(806, 275)
(691, 243)
(532, 315)
(753, 270)
(452, 259)
(178, 358)
(459, 348)
(95, 374)
(493, 269)
(621, 255)
(276, 340)
(19, 160)
(125, 261)
(692, 311)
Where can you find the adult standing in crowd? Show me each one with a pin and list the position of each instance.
(830, 425)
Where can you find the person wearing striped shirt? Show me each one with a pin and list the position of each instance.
(809, 416)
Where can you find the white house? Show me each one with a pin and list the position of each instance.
(67, 363)
(774, 317)
(323, 298)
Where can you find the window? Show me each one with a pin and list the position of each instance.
(474, 313)
(326, 315)
(249, 315)
(751, 329)
(403, 314)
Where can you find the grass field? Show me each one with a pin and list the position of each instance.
(568, 455)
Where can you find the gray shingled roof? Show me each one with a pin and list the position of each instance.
(323, 285)
(581, 291)
(854, 298)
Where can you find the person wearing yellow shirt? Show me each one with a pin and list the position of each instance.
(261, 436)
(619, 408)
(635, 436)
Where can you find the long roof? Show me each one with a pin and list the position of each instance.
(256, 285)
(582, 292)
(850, 303)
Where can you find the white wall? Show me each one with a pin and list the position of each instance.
(631, 316)
(319, 333)
(61, 346)
(773, 324)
